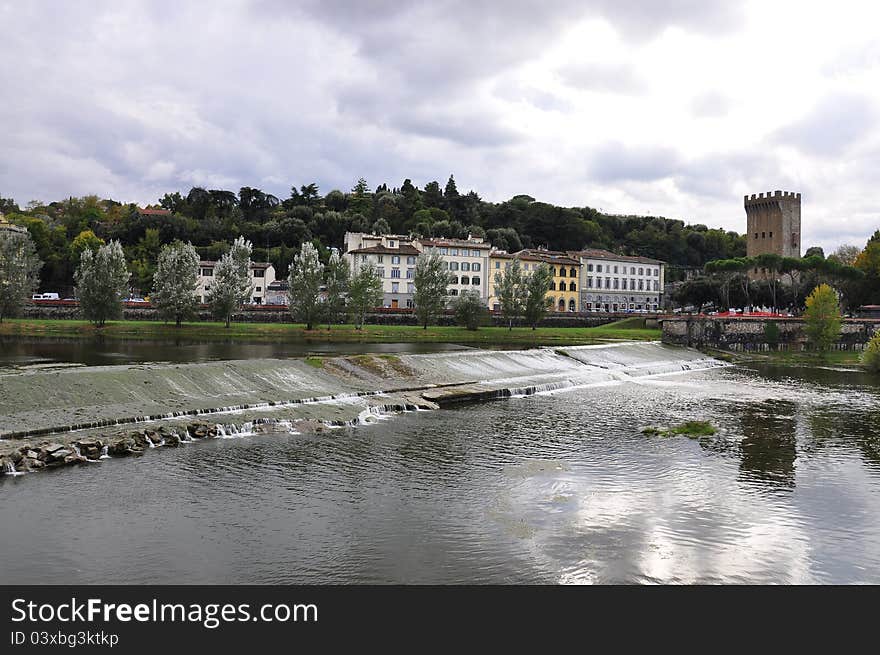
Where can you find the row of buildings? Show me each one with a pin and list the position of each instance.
(583, 280)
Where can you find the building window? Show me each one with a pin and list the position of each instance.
(641, 271)
(444, 251)
(380, 258)
(641, 285)
(656, 286)
(445, 266)
(207, 272)
(572, 286)
(562, 286)
(561, 272)
(380, 271)
(395, 259)
(598, 268)
(497, 264)
(771, 235)
(410, 260)
(562, 304)
(410, 287)
(454, 252)
(632, 270)
(453, 292)
(475, 281)
(409, 273)
(395, 272)
(590, 267)
(763, 235)
(258, 289)
(571, 306)
(465, 266)
(453, 266)
(475, 267)
(453, 280)
(589, 283)
(573, 273)
(409, 303)
(261, 272)
(395, 287)
(553, 286)
(391, 244)
(756, 235)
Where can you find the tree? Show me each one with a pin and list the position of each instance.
(232, 280)
(337, 277)
(535, 297)
(509, 289)
(102, 281)
(772, 263)
(469, 309)
(364, 293)
(870, 359)
(815, 251)
(381, 227)
(822, 318)
(19, 271)
(846, 255)
(306, 277)
(83, 240)
(431, 281)
(175, 282)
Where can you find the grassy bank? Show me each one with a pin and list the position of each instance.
(802, 358)
(284, 332)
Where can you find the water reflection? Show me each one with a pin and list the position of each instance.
(769, 445)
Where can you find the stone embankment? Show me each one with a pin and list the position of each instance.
(750, 333)
(135, 409)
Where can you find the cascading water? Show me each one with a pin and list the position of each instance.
(104, 453)
(9, 469)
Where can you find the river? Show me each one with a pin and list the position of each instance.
(560, 487)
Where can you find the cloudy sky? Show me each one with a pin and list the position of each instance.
(664, 107)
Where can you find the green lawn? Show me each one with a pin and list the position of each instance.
(292, 332)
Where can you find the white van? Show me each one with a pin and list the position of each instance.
(45, 296)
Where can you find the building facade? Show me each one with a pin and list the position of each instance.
(773, 224)
(262, 274)
(467, 261)
(394, 257)
(563, 294)
(619, 283)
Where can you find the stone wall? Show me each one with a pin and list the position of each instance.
(749, 334)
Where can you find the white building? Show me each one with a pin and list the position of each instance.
(619, 283)
(468, 262)
(394, 257)
(262, 275)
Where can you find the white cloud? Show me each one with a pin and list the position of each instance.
(675, 108)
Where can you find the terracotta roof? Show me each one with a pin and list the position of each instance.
(207, 263)
(455, 243)
(403, 249)
(549, 256)
(154, 212)
(604, 254)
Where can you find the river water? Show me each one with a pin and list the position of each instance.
(553, 488)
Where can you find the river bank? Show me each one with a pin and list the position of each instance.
(262, 332)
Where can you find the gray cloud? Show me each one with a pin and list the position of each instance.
(605, 76)
(615, 162)
(832, 126)
(711, 104)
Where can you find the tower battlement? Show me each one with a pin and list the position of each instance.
(771, 196)
(773, 223)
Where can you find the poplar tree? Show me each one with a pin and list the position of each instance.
(101, 282)
(175, 282)
(19, 271)
(535, 300)
(232, 281)
(430, 281)
(509, 289)
(305, 280)
(337, 277)
(365, 293)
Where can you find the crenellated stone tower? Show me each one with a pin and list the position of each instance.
(774, 224)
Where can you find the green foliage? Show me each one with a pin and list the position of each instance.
(469, 310)
(306, 277)
(231, 287)
(365, 293)
(822, 317)
(509, 288)
(535, 300)
(431, 282)
(771, 334)
(19, 271)
(870, 359)
(337, 283)
(102, 281)
(175, 282)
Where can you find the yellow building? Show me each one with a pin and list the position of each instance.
(564, 292)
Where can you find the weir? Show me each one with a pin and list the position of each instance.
(286, 395)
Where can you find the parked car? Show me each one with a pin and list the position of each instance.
(44, 296)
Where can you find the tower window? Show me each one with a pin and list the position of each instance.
(756, 235)
(771, 235)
